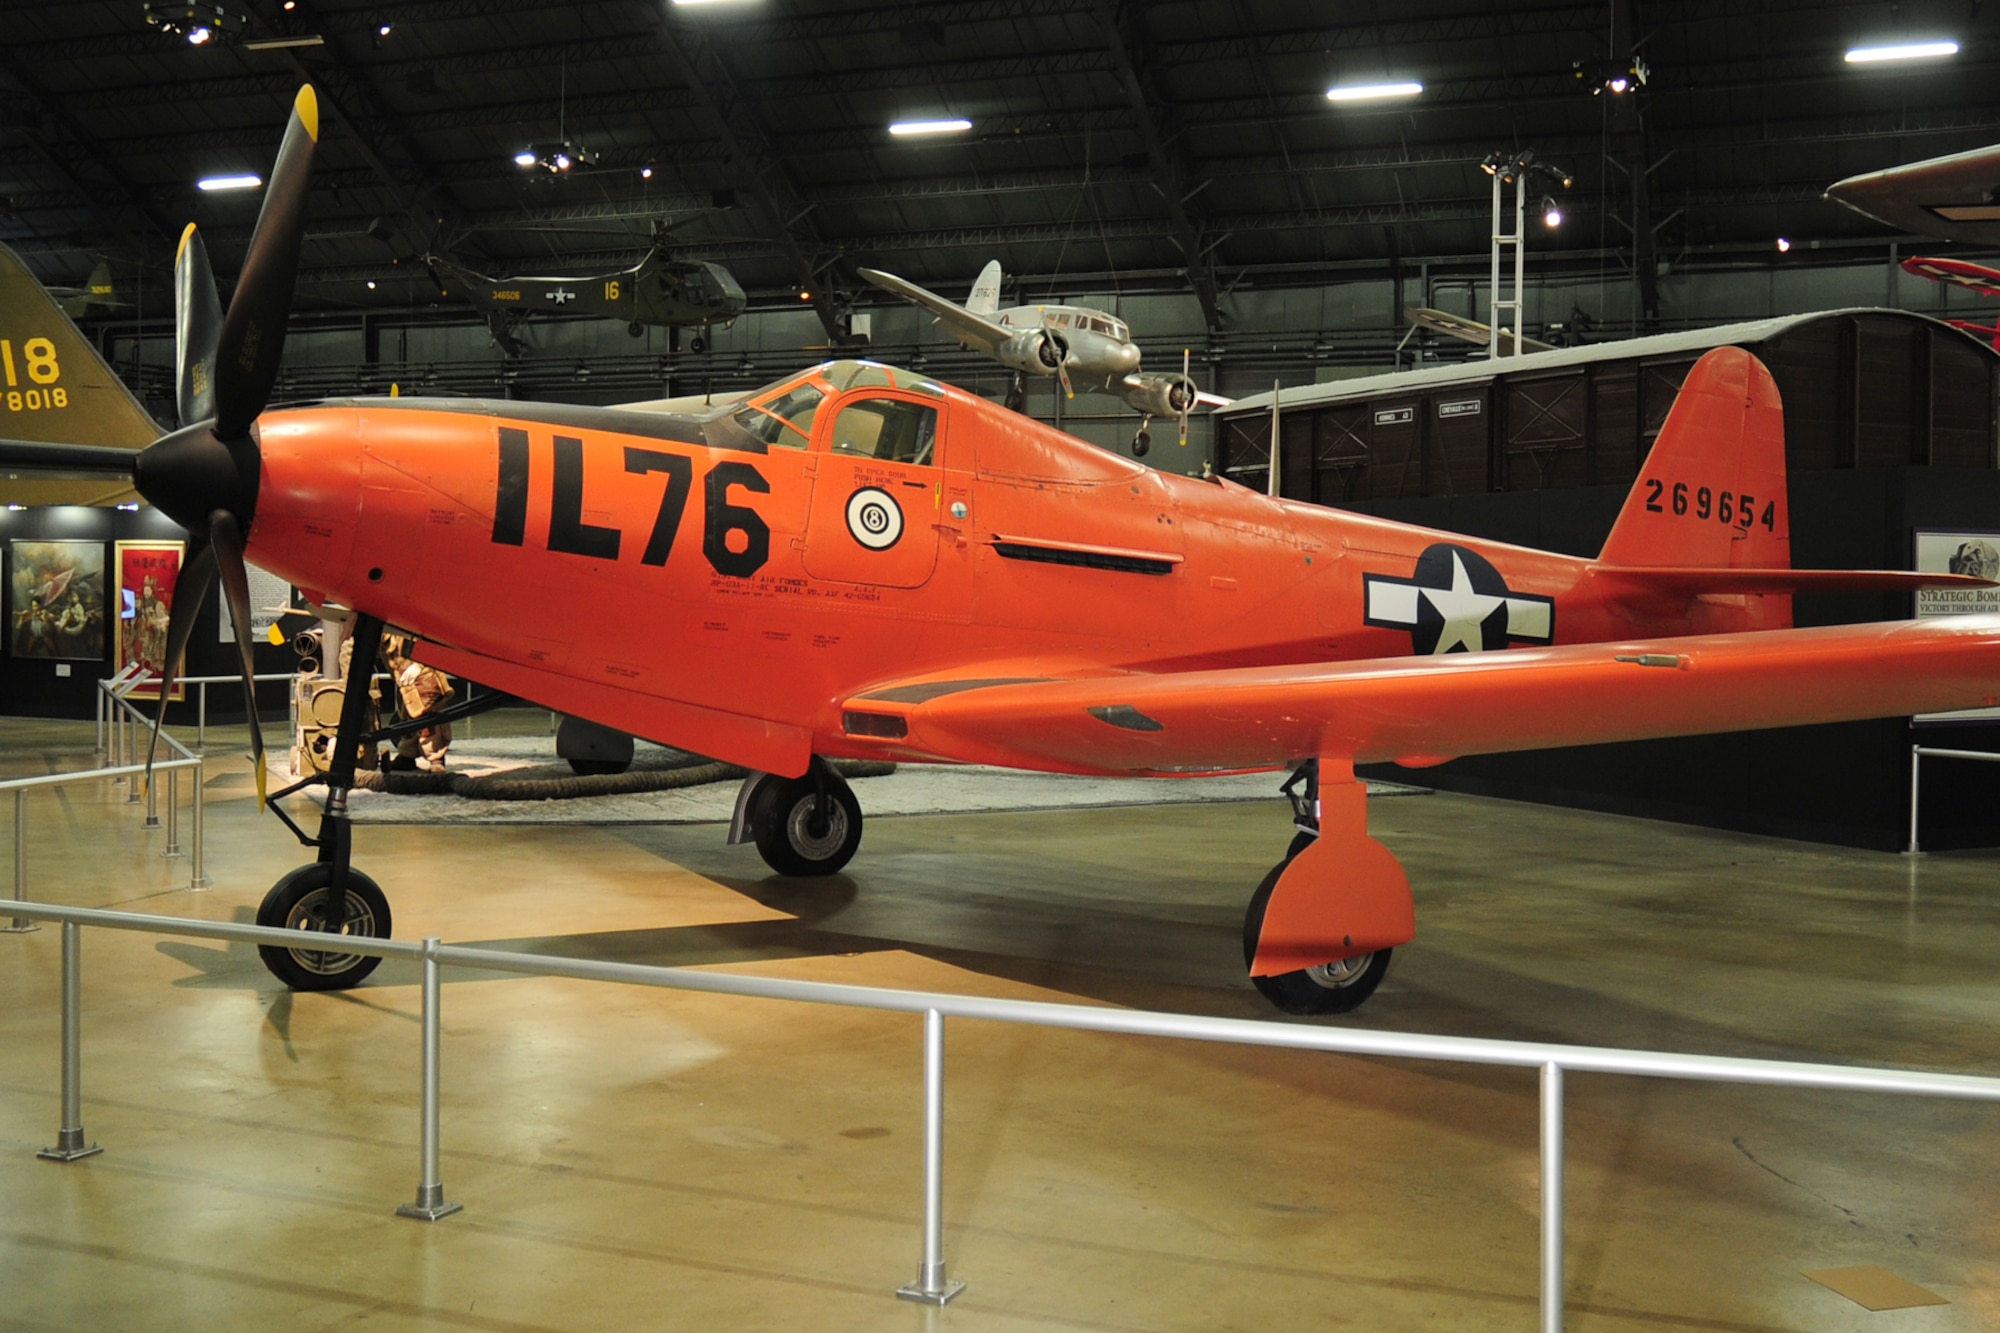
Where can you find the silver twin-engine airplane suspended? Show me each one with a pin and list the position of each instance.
(1081, 347)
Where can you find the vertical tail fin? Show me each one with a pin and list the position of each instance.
(985, 298)
(1712, 492)
(55, 389)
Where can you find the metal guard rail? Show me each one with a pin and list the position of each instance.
(932, 1284)
(1918, 753)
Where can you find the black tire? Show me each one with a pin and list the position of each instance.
(592, 768)
(291, 904)
(1141, 442)
(636, 329)
(1336, 988)
(697, 343)
(781, 815)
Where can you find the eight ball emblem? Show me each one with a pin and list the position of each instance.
(874, 518)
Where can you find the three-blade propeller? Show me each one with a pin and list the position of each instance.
(204, 475)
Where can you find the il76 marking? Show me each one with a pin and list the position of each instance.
(570, 535)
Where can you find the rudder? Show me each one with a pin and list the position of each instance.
(1712, 491)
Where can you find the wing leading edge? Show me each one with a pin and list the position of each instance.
(1428, 709)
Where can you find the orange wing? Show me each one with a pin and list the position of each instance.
(1428, 709)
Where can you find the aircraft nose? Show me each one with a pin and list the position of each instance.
(1125, 359)
(189, 474)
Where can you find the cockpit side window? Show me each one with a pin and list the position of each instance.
(887, 428)
(784, 422)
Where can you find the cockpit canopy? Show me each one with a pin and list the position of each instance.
(780, 416)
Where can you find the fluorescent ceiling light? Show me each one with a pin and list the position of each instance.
(280, 43)
(907, 127)
(229, 183)
(1369, 92)
(1866, 55)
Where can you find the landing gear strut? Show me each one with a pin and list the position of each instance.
(329, 895)
(1347, 892)
(809, 825)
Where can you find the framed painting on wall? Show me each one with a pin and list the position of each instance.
(55, 600)
(147, 573)
(1947, 552)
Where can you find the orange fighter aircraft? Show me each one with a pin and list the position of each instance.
(862, 562)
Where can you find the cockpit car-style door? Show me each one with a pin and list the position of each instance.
(876, 489)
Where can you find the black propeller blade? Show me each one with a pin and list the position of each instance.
(189, 591)
(253, 333)
(226, 538)
(198, 325)
(205, 475)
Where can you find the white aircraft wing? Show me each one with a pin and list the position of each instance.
(1950, 196)
(970, 329)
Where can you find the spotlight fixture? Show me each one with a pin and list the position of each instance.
(384, 30)
(555, 158)
(1373, 92)
(129, 507)
(1552, 214)
(1871, 55)
(904, 129)
(645, 173)
(195, 24)
(371, 284)
(1612, 76)
(1784, 245)
(212, 184)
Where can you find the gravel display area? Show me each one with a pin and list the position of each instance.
(913, 789)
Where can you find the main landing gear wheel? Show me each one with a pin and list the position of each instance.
(697, 343)
(1141, 442)
(300, 901)
(1331, 988)
(794, 836)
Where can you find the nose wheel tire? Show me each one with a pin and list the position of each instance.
(794, 836)
(1331, 988)
(300, 901)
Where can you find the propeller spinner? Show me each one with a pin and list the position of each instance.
(204, 476)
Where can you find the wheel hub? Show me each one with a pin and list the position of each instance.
(832, 832)
(314, 912)
(1343, 972)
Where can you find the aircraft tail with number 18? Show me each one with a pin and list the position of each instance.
(56, 390)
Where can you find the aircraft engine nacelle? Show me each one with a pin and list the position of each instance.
(1033, 351)
(1162, 395)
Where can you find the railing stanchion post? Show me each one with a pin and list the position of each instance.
(197, 873)
(430, 1204)
(70, 1144)
(932, 1287)
(98, 718)
(201, 716)
(1916, 758)
(133, 782)
(173, 847)
(1552, 1198)
(20, 925)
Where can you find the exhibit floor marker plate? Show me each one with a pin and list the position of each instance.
(1874, 1287)
(913, 789)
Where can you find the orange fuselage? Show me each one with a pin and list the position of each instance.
(613, 564)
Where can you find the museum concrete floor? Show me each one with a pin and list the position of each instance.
(632, 1158)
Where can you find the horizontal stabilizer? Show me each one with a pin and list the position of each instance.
(1692, 581)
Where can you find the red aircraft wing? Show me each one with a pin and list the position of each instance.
(1428, 709)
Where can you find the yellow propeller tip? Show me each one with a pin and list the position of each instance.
(275, 635)
(307, 108)
(187, 234)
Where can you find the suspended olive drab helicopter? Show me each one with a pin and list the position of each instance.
(858, 562)
(659, 291)
(1082, 348)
